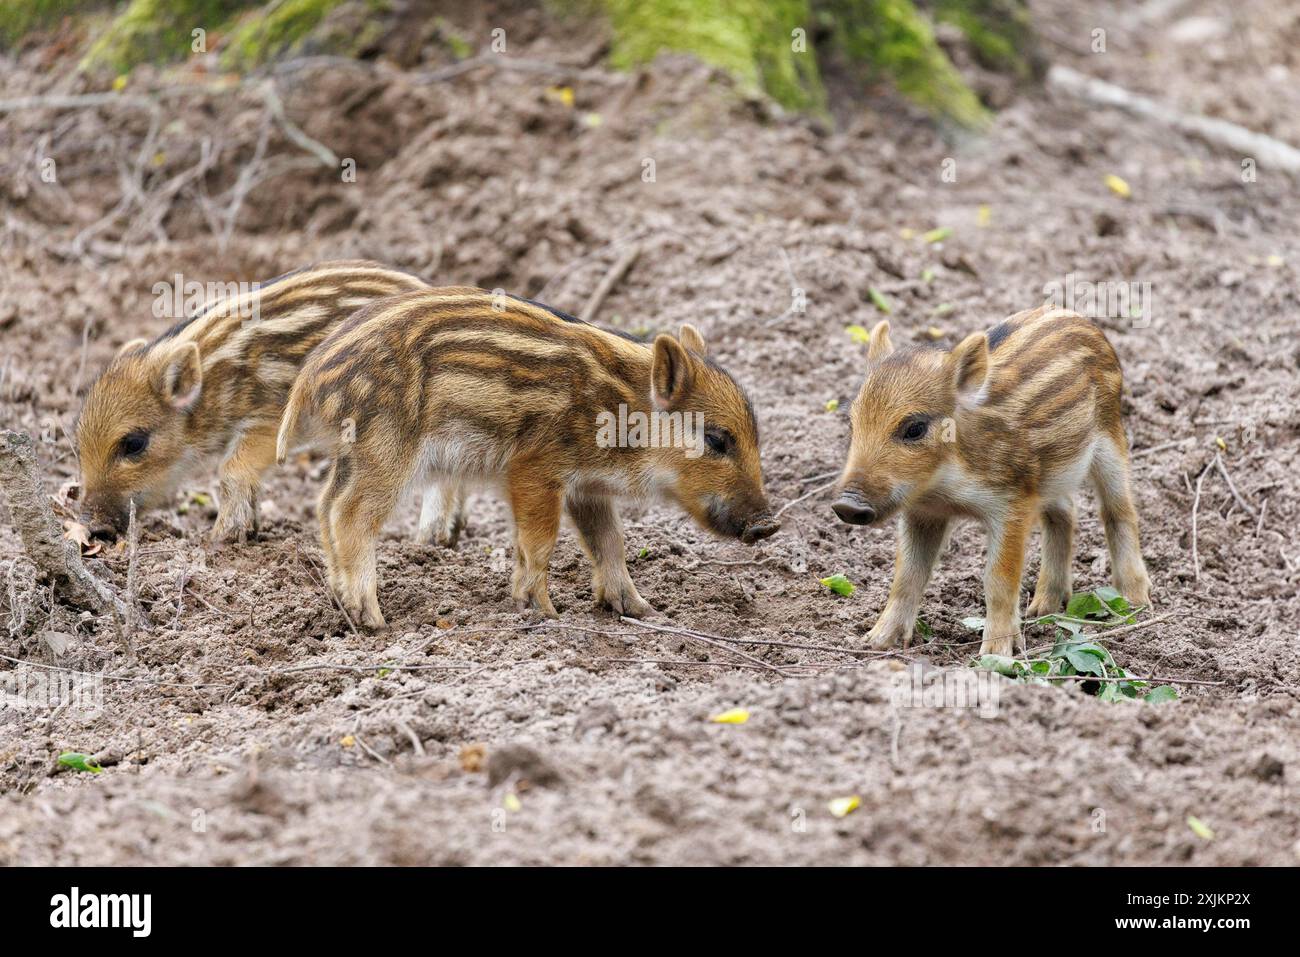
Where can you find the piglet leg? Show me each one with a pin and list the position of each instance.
(536, 507)
(1002, 574)
(601, 535)
(920, 540)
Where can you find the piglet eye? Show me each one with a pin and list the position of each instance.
(134, 443)
(718, 440)
(914, 430)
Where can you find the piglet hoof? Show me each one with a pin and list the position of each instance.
(623, 600)
(1046, 604)
(372, 620)
(998, 646)
(888, 634)
(541, 603)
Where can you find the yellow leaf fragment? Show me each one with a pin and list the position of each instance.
(1200, 828)
(832, 405)
(858, 334)
(984, 217)
(731, 716)
(1118, 186)
(843, 806)
(347, 740)
(511, 802)
(561, 94)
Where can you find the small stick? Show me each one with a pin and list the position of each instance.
(329, 591)
(1223, 470)
(1259, 526)
(616, 273)
(295, 134)
(707, 639)
(55, 557)
(684, 662)
(1196, 507)
(1122, 629)
(415, 739)
(1152, 450)
(819, 478)
(132, 572)
(806, 495)
(1163, 681)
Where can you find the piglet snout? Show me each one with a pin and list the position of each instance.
(852, 509)
(760, 529)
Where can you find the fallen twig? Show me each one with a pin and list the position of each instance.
(1266, 150)
(611, 279)
(56, 558)
(1232, 487)
(806, 495)
(1162, 447)
(707, 639)
(1196, 508)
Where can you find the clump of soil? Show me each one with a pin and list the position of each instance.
(252, 719)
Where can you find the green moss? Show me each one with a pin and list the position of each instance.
(891, 38)
(750, 39)
(156, 31)
(999, 31)
(263, 37)
(460, 48)
(20, 17)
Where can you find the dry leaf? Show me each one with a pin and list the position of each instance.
(472, 757)
(731, 716)
(76, 532)
(843, 806)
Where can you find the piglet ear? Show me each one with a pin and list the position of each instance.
(969, 364)
(879, 346)
(180, 378)
(670, 372)
(690, 337)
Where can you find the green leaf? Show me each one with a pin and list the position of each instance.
(839, 584)
(1001, 664)
(1086, 605)
(1200, 828)
(1113, 600)
(974, 624)
(858, 334)
(937, 235)
(1086, 661)
(79, 762)
(925, 630)
(879, 301)
(1162, 693)
(643, 553)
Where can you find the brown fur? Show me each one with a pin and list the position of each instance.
(463, 386)
(1013, 421)
(213, 387)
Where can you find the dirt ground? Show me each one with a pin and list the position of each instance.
(251, 725)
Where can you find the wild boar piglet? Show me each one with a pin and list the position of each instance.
(465, 387)
(1003, 429)
(212, 389)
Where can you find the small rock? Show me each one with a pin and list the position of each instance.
(525, 765)
(1268, 768)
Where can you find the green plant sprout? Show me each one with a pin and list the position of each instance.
(1075, 654)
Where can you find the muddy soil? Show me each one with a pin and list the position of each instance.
(251, 724)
